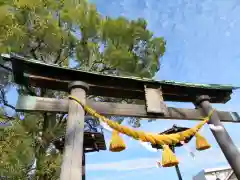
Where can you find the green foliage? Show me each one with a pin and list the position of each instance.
(49, 166)
(19, 144)
(58, 32)
(16, 151)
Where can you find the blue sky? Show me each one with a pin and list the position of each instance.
(202, 47)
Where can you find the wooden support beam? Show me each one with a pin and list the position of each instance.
(171, 92)
(31, 103)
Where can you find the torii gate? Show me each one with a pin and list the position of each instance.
(152, 93)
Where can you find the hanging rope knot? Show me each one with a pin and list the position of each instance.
(207, 119)
(169, 159)
(165, 140)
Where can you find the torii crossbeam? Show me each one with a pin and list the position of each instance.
(149, 94)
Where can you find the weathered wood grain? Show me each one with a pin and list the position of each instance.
(71, 168)
(154, 101)
(31, 103)
(170, 92)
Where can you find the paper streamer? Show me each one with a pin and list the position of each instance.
(188, 149)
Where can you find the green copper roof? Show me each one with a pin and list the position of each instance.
(206, 86)
(163, 82)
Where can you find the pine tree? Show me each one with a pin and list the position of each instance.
(63, 33)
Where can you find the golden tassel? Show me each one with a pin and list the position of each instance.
(117, 144)
(169, 159)
(201, 142)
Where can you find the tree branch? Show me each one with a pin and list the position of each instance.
(59, 53)
(62, 119)
(62, 60)
(107, 69)
(2, 93)
(7, 117)
(5, 103)
(33, 53)
(6, 68)
(33, 50)
(32, 93)
(61, 45)
(9, 105)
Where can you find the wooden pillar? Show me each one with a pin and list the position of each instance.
(222, 137)
(73, 150)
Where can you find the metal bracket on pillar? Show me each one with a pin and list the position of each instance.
(154, 101)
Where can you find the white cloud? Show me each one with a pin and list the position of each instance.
(203, 159)
(124, 165)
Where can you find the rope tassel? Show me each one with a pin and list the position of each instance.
(169, 159)
(201, 142)
(159, 139)
(117, 144)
